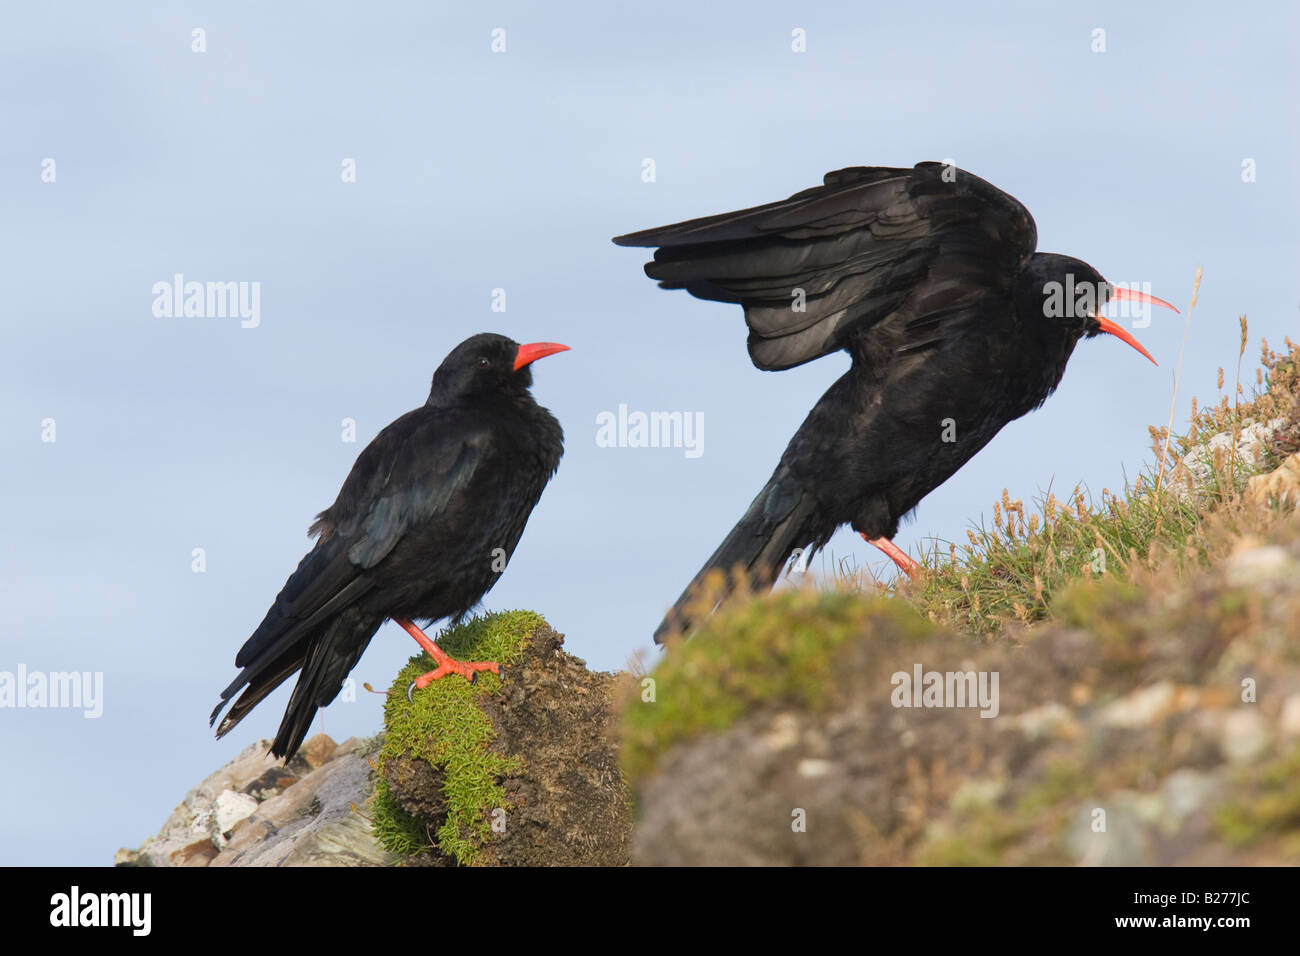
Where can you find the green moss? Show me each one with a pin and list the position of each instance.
(1267, 803)
(983, 839)
(1063, 781)
(778, 648)
(397, 831)
(445, 727)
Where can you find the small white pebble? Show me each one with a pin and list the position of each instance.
(813, 767)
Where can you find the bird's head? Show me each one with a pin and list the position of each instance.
(487, 363)
(1071, 295)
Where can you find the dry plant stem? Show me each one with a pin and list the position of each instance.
(1173, 402)
(1236, 411)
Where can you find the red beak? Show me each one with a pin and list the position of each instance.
(535, 350)
(1120, 294)
(1110, 328)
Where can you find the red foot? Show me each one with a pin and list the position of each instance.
(446, 663)
(466, 669)
(896, 554)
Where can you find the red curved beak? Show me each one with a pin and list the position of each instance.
(535, 350)
(1110, 328)
(1120, 294)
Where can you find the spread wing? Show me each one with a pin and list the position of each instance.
(837, 259)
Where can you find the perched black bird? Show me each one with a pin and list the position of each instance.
(423, 526)
(928, 278)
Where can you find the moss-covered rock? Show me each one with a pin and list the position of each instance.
(513, 770)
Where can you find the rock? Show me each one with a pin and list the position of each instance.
(1281, 485)
(1244, 734)
(711, 805)
(318, 750)
(271, 783)
(1051, 719)
(193, 819)
(198, 853)
(814, 767)
(843, 785)
(229, 808)
(1266, 566)
(1186, 792)
(1123, 842)
(346, 842)
(1253, 441)
(313, 823)
(1289, 720)
(1140, 708)
(784, 732)
(264, 814)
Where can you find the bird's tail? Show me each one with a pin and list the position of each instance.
(784, 516)
(325, 656)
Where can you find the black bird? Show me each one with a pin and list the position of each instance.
(928, 278)
(424, 524)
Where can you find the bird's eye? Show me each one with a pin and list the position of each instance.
(483, 363)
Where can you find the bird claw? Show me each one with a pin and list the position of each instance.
(465, 669)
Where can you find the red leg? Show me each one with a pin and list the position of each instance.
(896, 554)
(446, 664)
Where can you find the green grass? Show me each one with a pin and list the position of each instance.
(1164, 519)
(1266, 803)
(445, 727)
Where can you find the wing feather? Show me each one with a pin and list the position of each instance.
(830, 262)
(402, 480)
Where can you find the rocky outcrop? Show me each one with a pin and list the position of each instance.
(503, 772)
(256, 812)
(1154, 722)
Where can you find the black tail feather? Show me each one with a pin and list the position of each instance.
(781, 518)
(325, 656)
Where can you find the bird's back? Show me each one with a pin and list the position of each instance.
(443, 568)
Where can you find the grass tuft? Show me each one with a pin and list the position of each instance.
(1010, 573)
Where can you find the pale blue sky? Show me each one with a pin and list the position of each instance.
(477, 171)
